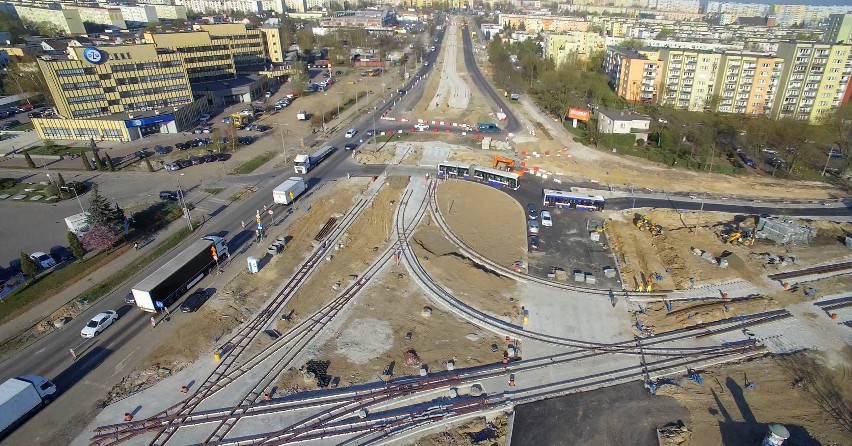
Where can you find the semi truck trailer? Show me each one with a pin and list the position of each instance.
(287, 191)
(21, 398)
(304, 163)
(168, 283)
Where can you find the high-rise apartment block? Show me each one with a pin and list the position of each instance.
(839, 29)
(804, 80)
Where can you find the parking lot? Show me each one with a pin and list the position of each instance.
(567, 244)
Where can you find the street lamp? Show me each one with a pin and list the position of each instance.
(338, 100)
(183, 203)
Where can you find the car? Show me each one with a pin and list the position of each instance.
(142, 153)
(350, 146)
(43, 260)
(163, 150)
(184, 162)
(532, 211)
(61, 254)
(371, 132)
(535, 243)
(421, 127)
(533, 226)
(129, 299)
(195, 160)
(194, 301)
(350, 133)
(426, 64)
(99, 323)
(171, 167)
(209, 158)
(268, 94)
(181, 146)
(222, 156)
(9, 125)
(169, 195)
(769, 150)
(338, 72)
(36, 114)
(545, 219)
(204, 118)
(833, 153)
(401, 91)
(24, 108)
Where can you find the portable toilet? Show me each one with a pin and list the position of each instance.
(252, 265)
(776, 436)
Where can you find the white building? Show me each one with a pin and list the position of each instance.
(140, 14)
(217, 6)
(611, 121)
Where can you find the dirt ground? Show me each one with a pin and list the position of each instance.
(372, 339)
(467, 432)
(243, 295)
(812, 401)
(641, 255)
(486, 219)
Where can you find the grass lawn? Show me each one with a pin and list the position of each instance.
(59, 150)
(214, 190)
(29, 190)
(23, 127)
(253, 164)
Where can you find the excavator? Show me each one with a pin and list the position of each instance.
(642, 222)
(739, 237)
(506, 164)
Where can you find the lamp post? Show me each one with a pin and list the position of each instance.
(338, 101)
(183, 203)
(827, 159)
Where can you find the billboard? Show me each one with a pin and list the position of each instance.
(148, 121)
(579, 113)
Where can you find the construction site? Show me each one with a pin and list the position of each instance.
(406, 310)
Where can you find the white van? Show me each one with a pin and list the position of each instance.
(351, 132)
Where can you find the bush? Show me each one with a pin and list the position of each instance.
(7, 183)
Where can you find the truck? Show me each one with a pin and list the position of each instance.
(303, 115)
(78, 223)
(22, 397)
(304, 163)
(488, 127)
(287, 191)
(165, 285)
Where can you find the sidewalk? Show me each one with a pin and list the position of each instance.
(15, 326)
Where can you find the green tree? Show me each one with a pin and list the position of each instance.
(48, 29)
(86, 164)
(100, 210)
(13, 25)
(30, 162)
(305, 39)
(28, 266)
(99, 163)
(109, 164)
(60, 184)
(632, 43)
(76, 245)
(148, 165)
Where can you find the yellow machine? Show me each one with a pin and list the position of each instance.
(739, 237)
(240, 119)
(642, 222)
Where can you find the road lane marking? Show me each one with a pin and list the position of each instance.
(120, 365)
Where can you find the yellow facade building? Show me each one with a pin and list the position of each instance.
(747, 83)
(689, 78)
(814, 80)
(562, 47)
(634, 75)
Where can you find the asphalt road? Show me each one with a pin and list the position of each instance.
(512, 124)
(103, 361)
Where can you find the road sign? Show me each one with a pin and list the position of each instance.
(270, 212)
(159, 305)
(260, 226)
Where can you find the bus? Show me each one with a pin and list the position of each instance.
(494, 177)
(572, 200)
(453, 170)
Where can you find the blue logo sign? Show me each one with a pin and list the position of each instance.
(93, 55)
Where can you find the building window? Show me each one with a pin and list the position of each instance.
(112, 133)
(86, 133)
(56, 132)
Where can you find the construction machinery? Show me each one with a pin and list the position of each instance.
(644, 223)
(506, 164)
(739, 236)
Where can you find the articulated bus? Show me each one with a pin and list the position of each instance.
(494, 177)
(572, 200)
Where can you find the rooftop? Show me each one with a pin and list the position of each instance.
(622, 115)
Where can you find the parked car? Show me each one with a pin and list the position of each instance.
(535, 243)
(222, 157)
(9, 125)
(533, 226)
(169, 195)
(35, 114)
(545, 218)
(532, 211)
(209, 158)
(184, 163)
(99, 323)
(194, 301)
(204, 118)
(161, 150)
(171, 167)
(421, 127)
(43, 260)
(24, 108)
(833, 153)
(371, 132)
(61, 254)
(195, 160)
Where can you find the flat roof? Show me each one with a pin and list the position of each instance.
(622, 115)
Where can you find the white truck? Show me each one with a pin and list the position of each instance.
(184, 271)
(303, 115)
(304, 163)
(22, 397)
(78, 223)
(287, 191)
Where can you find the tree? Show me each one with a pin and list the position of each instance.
(305, 39)
(99, 163)
(60, 184)
(76, 245)
(632, 43)
(48, 29)
(101, 212)
(30, 162)
(24, 76)
(28, 265)
(109, 163)
(99, 237)
(86, 164)
(148, 165)
(13, 25)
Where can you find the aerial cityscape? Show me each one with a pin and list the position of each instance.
(270, 222)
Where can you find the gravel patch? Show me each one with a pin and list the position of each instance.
(365, 340)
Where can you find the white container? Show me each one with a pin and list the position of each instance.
(252, 265)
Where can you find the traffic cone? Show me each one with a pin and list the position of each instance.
(128, 417)
(184, 389)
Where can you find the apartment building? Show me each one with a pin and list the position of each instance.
(689, 6)
(110, 16)
(561, 47)
(634, 75)
(139, 14)
(747, 83)
(226, 6)
(688, 78)
(839, 29)
(537, 24)
(814, 80)
(368, 19)
(116, 93)
(789, 15)
(274, 45)
(66, 20)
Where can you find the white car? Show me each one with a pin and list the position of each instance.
(99, 323)
(545, 218)
(350, 133)
(421, 127)
(204, 118)
(43, 260)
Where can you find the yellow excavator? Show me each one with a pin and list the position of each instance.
(642, 222)
(506, 164)
(739, 238)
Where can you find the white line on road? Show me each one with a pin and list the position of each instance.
(120, 366)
